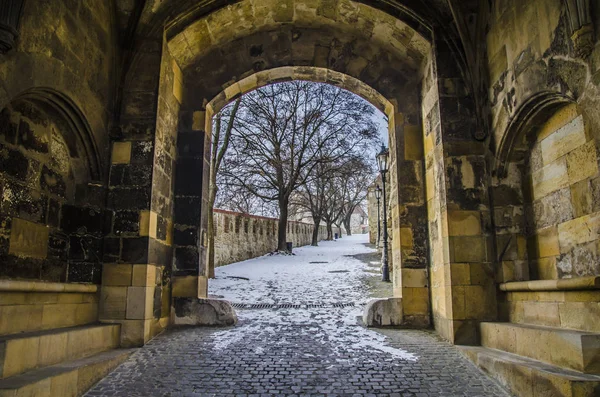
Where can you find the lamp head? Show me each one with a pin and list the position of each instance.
(378, 192)
(382, 159)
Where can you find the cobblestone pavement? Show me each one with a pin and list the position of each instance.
(302, 351)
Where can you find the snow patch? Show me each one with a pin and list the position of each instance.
(294, 279)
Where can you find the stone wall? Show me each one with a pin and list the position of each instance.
(563, 170)
(55, 99)
(239, 237)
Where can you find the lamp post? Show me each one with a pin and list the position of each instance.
(382, 161)
(378, 196)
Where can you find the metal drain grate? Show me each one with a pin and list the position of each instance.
(257, 306)
(342, 305)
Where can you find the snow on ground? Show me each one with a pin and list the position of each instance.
(314, 275)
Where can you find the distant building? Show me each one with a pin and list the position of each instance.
(359, 221)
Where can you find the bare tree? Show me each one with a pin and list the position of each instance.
(238, 199)
(284, 131)
(220, 143)
(357, 179)
(311, 198)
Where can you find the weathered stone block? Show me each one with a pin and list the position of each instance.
(144, 275)
(414, 278)
(113, 302)
(33, 137)
(582, 162)
(464, 223)
(121, 153)
(135, 250)
(455, 301)
(545, 243)
(564, 140)
(28, 239)
(578, 231)
(52, 349)
(468, 249)
(415, 301)
(153, 224)
(576, 315)
(460, 274)
(114, 275)
(24, 355)
(383, 312)
(13, 162)
(550, 178)
(140, 303)
(53, 182)
(545, 268)
(558, 120)
(81, 220)
(553, 209)
(111, 250)
(142, 152)
(581, 195)
(541, 313)
(194, 311)
(137, 174)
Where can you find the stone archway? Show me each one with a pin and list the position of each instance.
(437, 168)
(310, 46)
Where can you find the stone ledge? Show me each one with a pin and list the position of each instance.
(386, 312)
(567, 284)
(40, 286)
(199, 311)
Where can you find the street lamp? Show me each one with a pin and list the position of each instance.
(378, 196)
(382, 161)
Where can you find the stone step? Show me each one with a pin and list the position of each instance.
(67, 379)
(23, 352)
(566, 348)
(525, 377)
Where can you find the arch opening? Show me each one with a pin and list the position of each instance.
(314, 77)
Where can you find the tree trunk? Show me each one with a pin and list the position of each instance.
(329, 231)
(339, 230)
(315, 233)
(210, 252)
(282, 223)
(347, 227)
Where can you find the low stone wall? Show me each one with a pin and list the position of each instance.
(239, 237)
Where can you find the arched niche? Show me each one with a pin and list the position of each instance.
(52, 197)
(545, 193)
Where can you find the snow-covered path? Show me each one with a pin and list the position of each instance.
(323, 274)
(327, 275)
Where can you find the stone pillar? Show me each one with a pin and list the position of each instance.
(138, 247)
(462, 274)
(191, 196)
(408, 210)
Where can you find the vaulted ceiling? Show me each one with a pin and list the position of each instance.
(143, 18)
